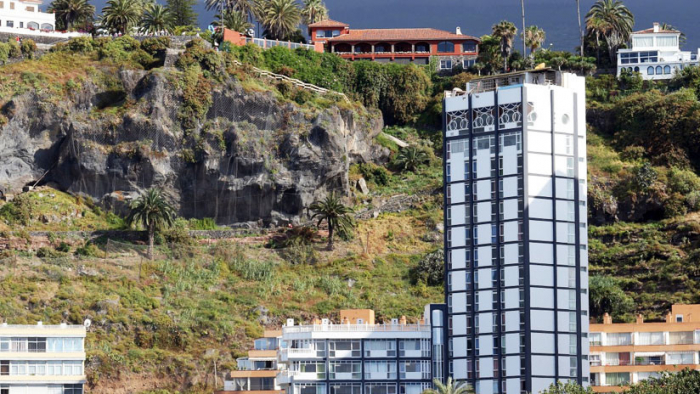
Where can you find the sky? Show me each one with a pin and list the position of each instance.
(475, 17)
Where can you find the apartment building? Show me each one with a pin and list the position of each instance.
(23, 16)
(655, 54)
(358, 355)
(42, 359)
(627, 353)
(257, 373)
(516, 236)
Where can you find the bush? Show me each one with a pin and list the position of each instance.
(14, 50)
(431, 268)
(202, 224)
(89, 250)
(254, 270)
(298, 251)
(63, 247)
(28, 48)
(120, 49)
(197, 52)
(154, 45)
(374, 173)
(683, 181)
(48, 253)
(4, 53)
(81, 44)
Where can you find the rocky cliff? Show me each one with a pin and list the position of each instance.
(254, 157)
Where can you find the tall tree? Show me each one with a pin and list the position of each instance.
(120, 15)
(505, 31)
(279, 17)
(613, 21)
(490, 53)
(153, 212)
(410, 158)
(245, 7)
(314, 11)
(580, 31)
(233, 20)
(335, 213)
(71, 12)
(157, 20)
(534, 38)
(182, 12)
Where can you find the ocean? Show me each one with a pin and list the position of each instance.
(475, 17)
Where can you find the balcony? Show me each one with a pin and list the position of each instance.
(356, 328)
(292, 353)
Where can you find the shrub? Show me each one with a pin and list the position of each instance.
(374, 173)
(120, 49)
(196, 97)
(48, 253)
(4, 53)
(154, 45)
(302, 96)
(202, 224)
(248, 54)
(63, 247)
(675, 206)
(683, 181)
(431, 268)
(254, 270)
(197, 52)
(143, 58)
(89, 250)
(28, 48)
(14, 50)
(693, 200)
(81, 44)
(606, 296)
(298, 251)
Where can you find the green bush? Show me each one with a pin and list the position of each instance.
(202, 224)
(81, 44)
(374, 173)
(197, 52)
(4, 53)
(154, 45)
(48, 253)
(28, 48)
(119, 50)
(14, 50)
(89, 250)
(63, 247)
(683, 181)
(254, 270)
(431, 268)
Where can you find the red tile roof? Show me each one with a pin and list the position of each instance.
(328, 23)
(651, 31)
(400, 35)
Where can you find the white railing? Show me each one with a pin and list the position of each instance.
(42, 33)
(265, 43)
(41, 326)
(356, 328)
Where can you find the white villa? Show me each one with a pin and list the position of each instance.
(655, 53)
(22, 16)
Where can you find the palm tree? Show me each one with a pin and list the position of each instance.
(152, 212)
(452, 387)
(233, 20)
(478, 67)
(245, 7)
(279, 17)
(682, 39)
(534, 38)
(410, 158)
(314, 11)
(613, 21)
(156, 20)
(505, 31)
(120, 15)
(335, 213)
(580, 32)
(70, 12)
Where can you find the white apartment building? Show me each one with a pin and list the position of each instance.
(42, 359)
(258, 371)
(359, 356)
(655, 54)
(516, 236)
(23, 16)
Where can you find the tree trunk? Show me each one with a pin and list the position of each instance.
(151, 237)
(522, 9)
(330, 236)
(580, 31)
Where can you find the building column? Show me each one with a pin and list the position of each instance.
(413, 48)
(332, 48)
(372, 48)
(392, 48)
(352, 49)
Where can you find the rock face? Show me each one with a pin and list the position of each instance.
(252, 159)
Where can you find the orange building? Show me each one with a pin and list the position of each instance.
(626, 353)
(397, 45)
(256, 373)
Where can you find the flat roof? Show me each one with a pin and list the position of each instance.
(419, 34)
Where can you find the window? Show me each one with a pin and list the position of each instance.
(12, 5)
(345, 370)
(627, 58)
(469, 47)
(2, 5)
(667, 69)
(659, 70)
(446, 64)
(649, 57)
(380, 388)
(466, 63)
(448, 173)
(380, 370)
(346, 388)
(666, 41)
(36, 345)
(570, 166)
(344, 348)
(446, 47)
(679, 318)
(30, 9)
(10, 24)
(650, 70)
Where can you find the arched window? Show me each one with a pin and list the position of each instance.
(629, 69)
(446, 47)
(422, 47)
(659, 70)
(342, 48)
(650, 70)
(46, 26)
(32, 25)
(667, 69)
(636, 69)
(380, 48)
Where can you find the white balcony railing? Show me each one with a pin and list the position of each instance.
(356, 328)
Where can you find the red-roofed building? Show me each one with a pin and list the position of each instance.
(397, 45)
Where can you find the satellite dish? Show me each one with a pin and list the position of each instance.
(87, 323)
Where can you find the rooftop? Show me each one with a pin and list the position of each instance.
(656, 29)
(328, 23)
(427, 34)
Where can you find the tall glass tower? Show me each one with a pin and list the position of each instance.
(515, 232)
